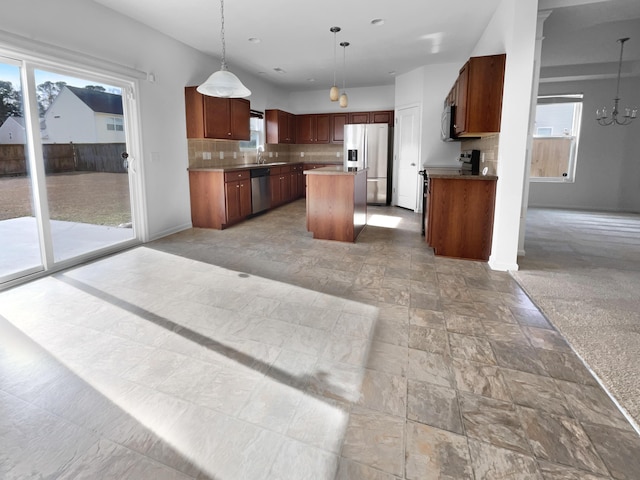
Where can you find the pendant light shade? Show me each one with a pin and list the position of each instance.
(344, 101)
(223, 83)
(334, 93)
(629, 115)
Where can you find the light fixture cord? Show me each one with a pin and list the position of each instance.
(344, 66)
(335, 62)
(622, 40)
(224, 48)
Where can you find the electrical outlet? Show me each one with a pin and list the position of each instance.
(276, 154)
(235, 155)
(338, 154)
(270, 154)
(206, 155)
(482, 157)
(221, 155)
(301, 154)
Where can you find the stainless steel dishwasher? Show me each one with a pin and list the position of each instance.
(260, 189)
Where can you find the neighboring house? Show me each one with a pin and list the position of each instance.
(82, 115)
(12, 131)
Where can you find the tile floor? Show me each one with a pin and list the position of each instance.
(260, 353)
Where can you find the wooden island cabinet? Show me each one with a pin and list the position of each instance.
(336, 203)
(459, 214)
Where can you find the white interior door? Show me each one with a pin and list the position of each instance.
(408, 156)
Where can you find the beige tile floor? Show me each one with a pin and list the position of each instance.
(260, 353)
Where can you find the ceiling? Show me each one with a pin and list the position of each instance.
(294, 35)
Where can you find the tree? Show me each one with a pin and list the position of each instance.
(47, 93)
(10, 101)
(97, 88)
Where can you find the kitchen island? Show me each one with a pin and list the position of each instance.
(336, 203)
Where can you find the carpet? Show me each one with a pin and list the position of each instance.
(582, 269)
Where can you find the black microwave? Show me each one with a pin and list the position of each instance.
(448, 132)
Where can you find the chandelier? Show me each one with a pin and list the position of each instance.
(602, 116)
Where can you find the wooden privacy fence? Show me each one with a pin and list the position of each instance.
(67, 157)
(550, 156)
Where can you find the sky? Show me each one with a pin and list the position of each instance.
(11, 73)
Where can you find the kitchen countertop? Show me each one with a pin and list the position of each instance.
(454, 173)
(335, 170)
(249, 166)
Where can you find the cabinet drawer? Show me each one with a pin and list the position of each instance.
(237, 175)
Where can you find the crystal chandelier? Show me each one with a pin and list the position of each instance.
(602, 116)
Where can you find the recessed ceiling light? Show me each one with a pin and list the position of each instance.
(311, 80)
(254, 40)
(279, 70)
(377, 22)
(392, 72)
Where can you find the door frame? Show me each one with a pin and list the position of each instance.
(396, 152)
(73, 65)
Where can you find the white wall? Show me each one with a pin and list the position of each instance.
(512, 30)
(360, 99)
(608, 170)
(110, 36)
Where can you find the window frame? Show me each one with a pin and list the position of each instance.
(576, 125)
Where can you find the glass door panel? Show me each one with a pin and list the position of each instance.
(19, 238)
(87, 181)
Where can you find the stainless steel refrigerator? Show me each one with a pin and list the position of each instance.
(366, 145)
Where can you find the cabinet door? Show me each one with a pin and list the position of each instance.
(323, 128)
(232, 194)
(338, 121)
(239, 119)
(276, 195)
(306, 128)
(217, 113)
(291, 128)
(359, 117)
(245, 198)
(382, 117)
(460, 122)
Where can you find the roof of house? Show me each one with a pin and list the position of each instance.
(100, 102)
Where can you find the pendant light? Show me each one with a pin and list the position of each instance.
(223, 83)
(629, 114)
(334, 93)
(344, 101)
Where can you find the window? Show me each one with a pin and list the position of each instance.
(256, 127)
(115, 124)
(555, 143)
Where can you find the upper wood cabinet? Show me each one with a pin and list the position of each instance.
(280, 126)
(314, 128)
(477, 96)
(213, 117)
(338, 121)
(359, 117)
(284, 127)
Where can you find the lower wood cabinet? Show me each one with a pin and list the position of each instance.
(459, 216)
(219, 199)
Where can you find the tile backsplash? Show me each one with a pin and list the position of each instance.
(205, 153)
(488, 146)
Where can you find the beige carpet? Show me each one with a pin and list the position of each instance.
(583, 270)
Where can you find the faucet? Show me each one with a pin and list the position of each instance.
(260, 152)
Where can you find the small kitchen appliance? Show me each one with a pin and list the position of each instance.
(470, 162)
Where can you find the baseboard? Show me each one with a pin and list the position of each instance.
(502, 266)
(171, 231)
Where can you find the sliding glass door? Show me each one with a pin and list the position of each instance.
(66, 186)
(19, 238)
